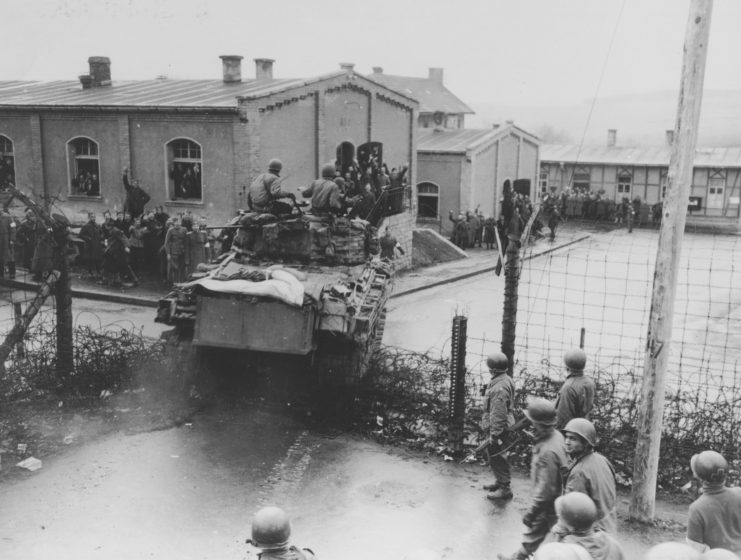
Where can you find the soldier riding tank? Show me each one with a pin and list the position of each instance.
(298, 292)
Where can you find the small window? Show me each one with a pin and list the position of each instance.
(7, 163)
(543, 179)
(84, 167)
(428, 200)
(184, 170)
(624, 184)
(581, 181)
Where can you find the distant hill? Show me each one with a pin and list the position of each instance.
(639, 119)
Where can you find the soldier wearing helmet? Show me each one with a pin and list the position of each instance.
(590, 472)
(325, 194)
(496, 421)
(271, 530)
(265, 191)
(715, 517)
(576, 397)
(548, 459)
(576, 516)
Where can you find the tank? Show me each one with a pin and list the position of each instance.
(303, 293)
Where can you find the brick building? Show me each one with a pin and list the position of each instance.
(195, 145)
(622, 171)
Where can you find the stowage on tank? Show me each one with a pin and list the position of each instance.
(307, 287)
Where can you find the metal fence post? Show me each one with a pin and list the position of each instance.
(457, 403)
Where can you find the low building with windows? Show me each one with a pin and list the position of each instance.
(619, 172)
(196, 145)
(467, 169)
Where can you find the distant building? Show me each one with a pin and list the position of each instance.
(620, 171)
(466, 169)
(196, 145)
(438, 106)
(462, 169)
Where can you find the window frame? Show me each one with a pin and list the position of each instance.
(624, 181)
(171, 159)
(11, 154)
(428, 195)
(72, 166)
(577, 179)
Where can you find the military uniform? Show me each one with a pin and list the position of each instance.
(600, 545)
(325, 196)
(497, 419)
(715, 518)
(548, 460)
(575, 399)
(175, 241)
(264, 193)
(592, 474)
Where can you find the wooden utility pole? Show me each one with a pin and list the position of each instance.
(651, 412)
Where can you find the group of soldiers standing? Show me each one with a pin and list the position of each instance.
(601, 208)
(572, 509)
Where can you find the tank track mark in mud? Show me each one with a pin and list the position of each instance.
(322, 334)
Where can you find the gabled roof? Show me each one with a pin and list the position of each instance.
(657, 156)
(462, 140)
(431, 94)
(191, 94)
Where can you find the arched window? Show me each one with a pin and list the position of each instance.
(7, 163)
(428, 200)
(184, 170)
(84, 167)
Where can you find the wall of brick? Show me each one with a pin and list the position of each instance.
(17, 128)
(149, 136)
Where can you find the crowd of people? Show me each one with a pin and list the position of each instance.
(574, 495)
(598, 207)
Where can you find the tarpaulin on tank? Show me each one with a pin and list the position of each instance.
(279, 284)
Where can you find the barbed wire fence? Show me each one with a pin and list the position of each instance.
(603, 285)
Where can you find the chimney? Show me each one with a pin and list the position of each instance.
(231, 65)
(377, 70)
(436, 74)
(669, 137)
(264, 68)
(611, 137)
(347, 66)
(509, 122)
(100, 71)
(86, 80)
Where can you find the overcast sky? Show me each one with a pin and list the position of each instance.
(541, 52)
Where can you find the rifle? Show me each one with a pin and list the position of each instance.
(510, 441)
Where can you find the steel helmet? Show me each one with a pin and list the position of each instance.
(275, 165)
(709, 466)
(561, 551)
(497, 362)
(541, 411)
(673, 551)
(329, 171)
(577, 510)
(719, 554)
(271, 528)
(584, 428)
(575, 359)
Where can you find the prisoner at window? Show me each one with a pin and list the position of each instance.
(7, 163)
(184, 170)
(84, 167)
